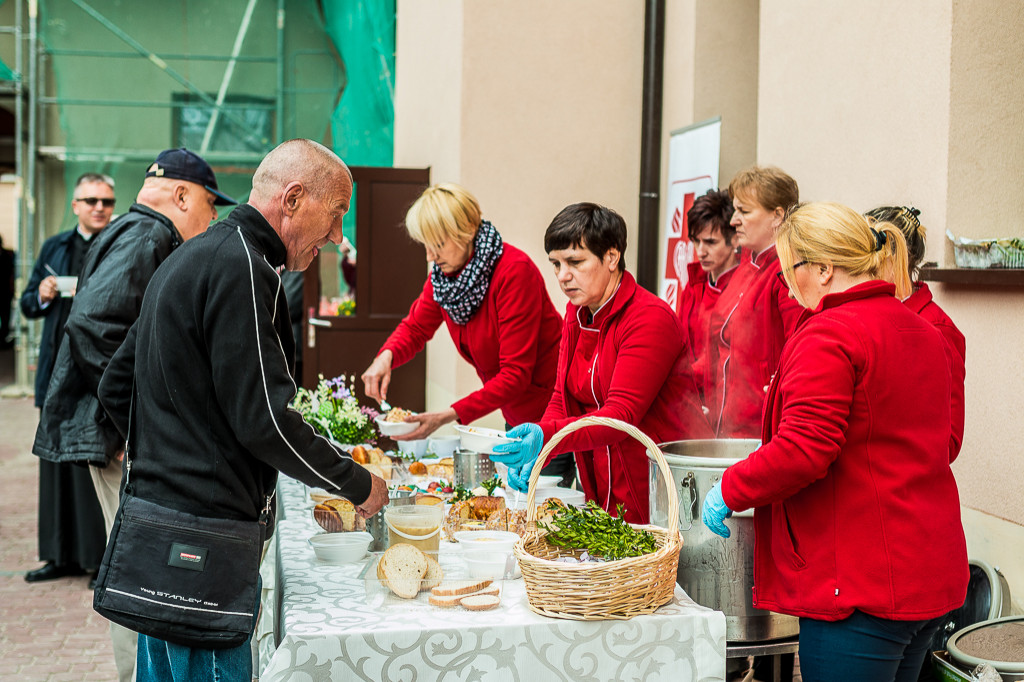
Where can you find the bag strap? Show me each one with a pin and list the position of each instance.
(128, 440)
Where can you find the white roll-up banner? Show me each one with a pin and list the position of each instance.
(693, 158)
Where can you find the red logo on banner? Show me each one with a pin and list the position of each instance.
(678, 252)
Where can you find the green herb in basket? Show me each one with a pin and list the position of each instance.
(595, 530)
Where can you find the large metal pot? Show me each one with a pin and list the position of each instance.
(715, 572)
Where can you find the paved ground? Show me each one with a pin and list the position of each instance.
(48, 631)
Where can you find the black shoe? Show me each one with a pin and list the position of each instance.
(92, 580)
(51, 571)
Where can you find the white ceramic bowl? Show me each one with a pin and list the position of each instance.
(492, 566)
(548, 481)
(340, 548)
(480, 439)
(395, 428)
(413, 447)
(567, 495)
(443, 446)
(486, 541)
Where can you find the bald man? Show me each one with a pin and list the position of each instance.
(178, 200)
(211, 428)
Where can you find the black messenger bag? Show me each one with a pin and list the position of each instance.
(186, 579)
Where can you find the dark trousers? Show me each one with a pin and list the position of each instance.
(864, 648)
(71, 528)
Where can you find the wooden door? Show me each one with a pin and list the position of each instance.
(390, 270)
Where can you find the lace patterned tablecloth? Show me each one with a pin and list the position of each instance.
(329, 629)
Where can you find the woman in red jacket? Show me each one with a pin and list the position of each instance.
(493, 300)
(754, 315)
(623, 355)
(857, 519)
(920, 301)
(718, 256)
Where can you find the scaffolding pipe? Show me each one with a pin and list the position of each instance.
(243, 30)
(279, 118)
(244, 128)
(116, 54)
(31, 236)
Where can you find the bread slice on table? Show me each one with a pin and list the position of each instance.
(481, 602)
(447, 602)
(459, 587)
(404, 568)
(434, 575)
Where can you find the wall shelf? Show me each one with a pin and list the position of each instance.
(1002, 277)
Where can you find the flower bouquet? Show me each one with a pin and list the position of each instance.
(333, 410)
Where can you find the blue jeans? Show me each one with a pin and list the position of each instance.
(160, 661)
(864, 648)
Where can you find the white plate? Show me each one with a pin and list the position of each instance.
(395, 428)
(482, 440)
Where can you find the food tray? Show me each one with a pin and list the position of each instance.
(987, 253)
(379, 596)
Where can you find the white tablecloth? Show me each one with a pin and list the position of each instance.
(329, 629)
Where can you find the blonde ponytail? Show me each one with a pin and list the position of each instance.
(824, 232)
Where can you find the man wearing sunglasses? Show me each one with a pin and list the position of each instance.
(71, 530)
(178, 200)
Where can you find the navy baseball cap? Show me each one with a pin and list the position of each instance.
(181, 164)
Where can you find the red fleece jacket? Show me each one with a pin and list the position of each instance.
(856, 506)
(512, 341)
(640, 375)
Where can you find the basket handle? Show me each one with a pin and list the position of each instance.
(583, 422)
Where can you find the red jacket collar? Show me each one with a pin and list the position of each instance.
(723, 279)
(766, 257)
(611, 307)
(695, 274)
(875, 287)
(920, 298)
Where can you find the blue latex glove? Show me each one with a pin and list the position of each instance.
(520, 455)
(519, 479)
(715, 511)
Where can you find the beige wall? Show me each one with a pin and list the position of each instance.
(532, 106)
(920, 103)
(986, 169)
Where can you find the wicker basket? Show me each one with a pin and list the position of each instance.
(598, 591)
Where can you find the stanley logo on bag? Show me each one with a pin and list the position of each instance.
(187, 556)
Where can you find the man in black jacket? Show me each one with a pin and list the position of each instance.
(212, 354)
(177, 201)
(71, 534)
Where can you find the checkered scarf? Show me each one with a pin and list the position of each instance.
(461, 295)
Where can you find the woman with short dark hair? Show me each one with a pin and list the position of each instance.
(715, 243)
(623, 355)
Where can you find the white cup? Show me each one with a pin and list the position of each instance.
(443, 446)
(66, 285)
(414, 447)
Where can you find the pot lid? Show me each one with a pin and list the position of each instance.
(998, 642)
(988, 597)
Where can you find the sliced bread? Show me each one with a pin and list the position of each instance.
(434, 575)
(404, 568)
(461, 587)
(453, 600)
(481, 602)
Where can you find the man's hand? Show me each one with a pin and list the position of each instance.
(48, 289)
(377, 499)
(428, 423)
(377, 377)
